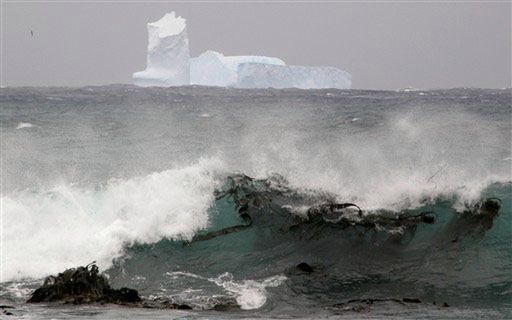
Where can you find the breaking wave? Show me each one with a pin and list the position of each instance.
(69, 225)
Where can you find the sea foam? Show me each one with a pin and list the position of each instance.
(68, 226)
(23, 125)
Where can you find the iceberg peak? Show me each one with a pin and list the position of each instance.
(168, 56)
(168, 25)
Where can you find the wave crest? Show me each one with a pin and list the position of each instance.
(66, 226)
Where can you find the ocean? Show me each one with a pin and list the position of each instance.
(137, 178)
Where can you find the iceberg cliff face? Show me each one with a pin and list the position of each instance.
(253, 75)
(168, 54)
(212, 68)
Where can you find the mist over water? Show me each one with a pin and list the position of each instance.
(97, 173)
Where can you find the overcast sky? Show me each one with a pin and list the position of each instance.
(384, 45)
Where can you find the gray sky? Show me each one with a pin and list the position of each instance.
(384, 45)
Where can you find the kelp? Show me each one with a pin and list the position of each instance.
(252, 197)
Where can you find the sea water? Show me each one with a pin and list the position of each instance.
(124, 176)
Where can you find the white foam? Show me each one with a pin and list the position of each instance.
(249, 294)
(23, 125)
(67, 226)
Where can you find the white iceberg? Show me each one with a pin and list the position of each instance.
(168, 54)
(212, 68)
(169, 64)
(254, 75)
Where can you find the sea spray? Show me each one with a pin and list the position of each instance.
(410, 157)
(65, 226)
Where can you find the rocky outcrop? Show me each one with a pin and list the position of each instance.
(82, 285)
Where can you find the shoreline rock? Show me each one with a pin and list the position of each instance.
(82, 285)
(85, 285)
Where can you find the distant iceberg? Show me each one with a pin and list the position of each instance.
(212, 68)
(168, 55)
(169, 64)
(257, 75)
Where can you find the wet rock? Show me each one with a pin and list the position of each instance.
(365, 305)
(227, 306)
(5, 310)
(443, 305)
(82, 285)
(304, 267)
(165, 304)
(172, 303)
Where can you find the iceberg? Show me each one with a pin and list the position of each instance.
(168, 54)
(169, 64)
(254, 75)
(212, 68)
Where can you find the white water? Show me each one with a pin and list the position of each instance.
(23, 125)
(249, 294)
(46, 232)
(410, 158)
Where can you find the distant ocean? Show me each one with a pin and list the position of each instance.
(125, 176)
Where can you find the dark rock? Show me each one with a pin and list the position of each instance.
(164, 303)
(6, 312)
(365, 305)
(82, 285)
(125, 295)
(411, 300)
(428, 219)
(304, 267)
(227, 306)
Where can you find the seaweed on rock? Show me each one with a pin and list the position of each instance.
(272, 201)
(82, 285)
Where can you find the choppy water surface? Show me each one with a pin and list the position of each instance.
(126, 176)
